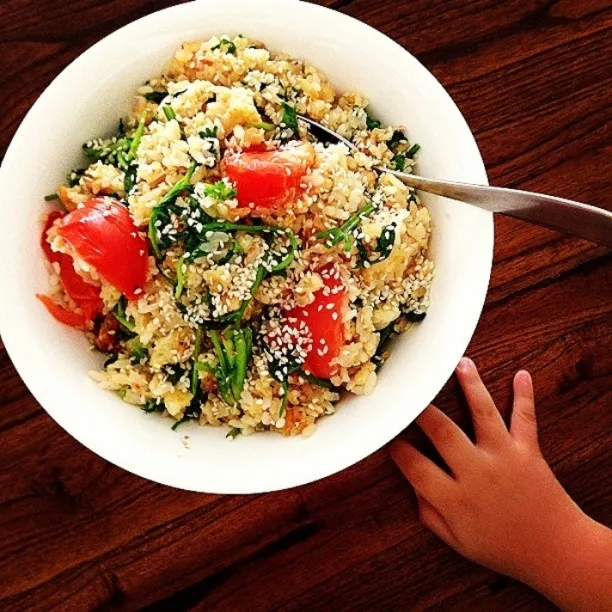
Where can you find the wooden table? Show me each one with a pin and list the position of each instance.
(533, 80)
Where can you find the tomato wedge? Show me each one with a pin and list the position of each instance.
(269, 179)
(324, 318)
(103, 234)
(85, 295)
(61, 314)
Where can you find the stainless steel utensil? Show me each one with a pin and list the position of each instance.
(574, 218)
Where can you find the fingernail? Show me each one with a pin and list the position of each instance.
(465, 364)
(523, 375)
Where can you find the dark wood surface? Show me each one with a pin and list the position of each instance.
(77, 533)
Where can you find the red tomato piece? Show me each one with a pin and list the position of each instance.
(269, 179)
(324, 318)
(85, 295)
(103, 234)
(61, 314)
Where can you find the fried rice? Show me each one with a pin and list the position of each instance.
(212, 336)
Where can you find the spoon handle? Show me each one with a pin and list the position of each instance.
(574, 218)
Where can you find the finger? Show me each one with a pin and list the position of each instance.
(424, 475)
(489, 426)
(435, 522)
(452, 444)
(523, 425)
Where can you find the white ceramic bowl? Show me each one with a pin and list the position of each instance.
(87, 99)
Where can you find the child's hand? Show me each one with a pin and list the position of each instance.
(502, 506)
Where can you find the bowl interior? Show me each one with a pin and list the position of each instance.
(87, 100)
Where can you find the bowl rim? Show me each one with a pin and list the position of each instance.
(121, 457)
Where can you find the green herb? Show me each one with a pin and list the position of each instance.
(372, 123)
(400, 160)
(386, 242)
(110, 151)
(289, 119)
(233, 248)
(238, 314)
(397, 137)
(119, 314)
(121, 160)
(385, 336)
(413, 150)
(220, 191)
(226, 226)
(224, 42)
(275, 262)
(182, 185)
(234, 433)
(233, 348)
(137, 351)
(180, 422)
(192, 412)
(399, 163)
(74, 177)
(209, 132)
(166, 277)
(169, 112)
(337, 234)
(275, 268)
(208, 240)
(180, 278)
(154, 405)
(386, 333)
(196, 353)
(174, 372)
(240, 364)
(186, 223)
(214, 337)
(118, 151)
(285, 388)
(51, 197)
(264, 125)
(129, 179)
(321, 382)
(156, 96)
(207, 243)
(136, 138)
(270, 266)
(414, 317)
(111, 359)
(384, 247)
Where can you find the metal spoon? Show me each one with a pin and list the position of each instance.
(578, 219)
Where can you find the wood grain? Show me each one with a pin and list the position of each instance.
(532, 78)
